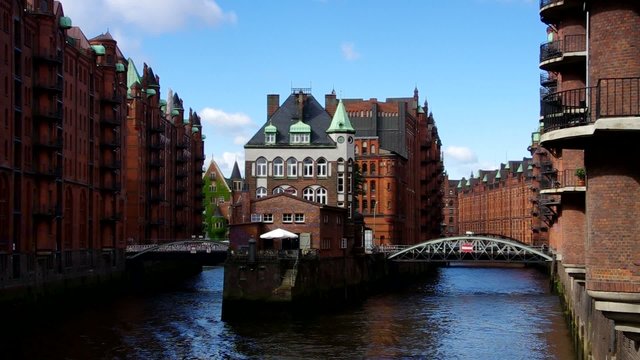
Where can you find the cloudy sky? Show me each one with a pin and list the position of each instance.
(474, 61)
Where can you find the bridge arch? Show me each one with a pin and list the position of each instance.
(184, 246)
(471, 248)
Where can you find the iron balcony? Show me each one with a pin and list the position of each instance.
(558, 53)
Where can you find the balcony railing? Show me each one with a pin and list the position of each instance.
(612, 97)
(570, 44)
(565, 178)
(544, 3)
(547, 79)
(112, 122)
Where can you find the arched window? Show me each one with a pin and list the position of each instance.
(321, 195)
(307, 169)
(261, 192)
(278, 167)
(292, 167)
(373, 149)
(322, 167)
(373, 186)
(356, 150)
(364, 168)
(308, 194)
(373, 169)
(364, 148)
(261, 167)
(278, 190)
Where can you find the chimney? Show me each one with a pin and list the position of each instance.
(330, 103)
(273, 104)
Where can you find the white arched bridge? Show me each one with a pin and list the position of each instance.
(470, 248)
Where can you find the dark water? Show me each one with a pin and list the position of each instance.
(462, 313)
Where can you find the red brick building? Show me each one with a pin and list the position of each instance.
(498, 202)
(590, 117)
(398, 153)
(450, 206)
(64, 168)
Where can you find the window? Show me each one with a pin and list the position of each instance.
(343, 243)
(278, 190)
(356, 150)
(325, 243)
(278, 167)
(292, 167)
(364, 148)
(237, 185)
(270, 138)
(365, 205)
(322, 167)
(256, 217)
(308, 194)
(374, 206)
(321, 195)
(338, 219)
(307, 167)
(326, 219)
(299, 218)
(372, 187)
(373, 149)
(261, 192)
(287, 218)
(261, 167)
(268, 218)
(341, 183)
(373, 168)
(364, 168)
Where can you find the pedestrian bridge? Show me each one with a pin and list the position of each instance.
(471, 248)
(174, 248)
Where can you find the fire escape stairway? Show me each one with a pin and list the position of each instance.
(283, 292)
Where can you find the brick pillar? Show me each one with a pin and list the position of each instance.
(573, 229)
(330, 103)
(613, 214)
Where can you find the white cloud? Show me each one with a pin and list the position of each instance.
(240, 140)
(460, 154)
(149, 16)
(349, 52)
(220, 118)
(226, 161)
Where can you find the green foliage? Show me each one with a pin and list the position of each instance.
(581, 174)
(215, 226)
(358, 180)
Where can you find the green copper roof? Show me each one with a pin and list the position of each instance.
(194, 129)
(99, 49)
(120, 68)
(300, 127)
(484, 179)
(460, 184)
(185, 121)
(530, 167)
(65, 22)
(507, 166)
(340, 121)
(535, 137)
(269, 129)
(132, 75)
(498, 174)
(520, 170)
(175, 112)
(151, 92)
(420, 110)
(204, 136)
(162, 102)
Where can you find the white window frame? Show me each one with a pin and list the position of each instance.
(261, 192)
(261, 167)
(270, 138)
(309, 194)
(298, 217)
(307, 167)
(267, 218)
(321, 195)
(292, 167)
(287, 218)
(278, 167)
(321, 166)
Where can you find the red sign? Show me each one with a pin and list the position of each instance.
(466, 248)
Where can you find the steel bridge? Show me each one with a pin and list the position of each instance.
(176, 248)
(470, 248)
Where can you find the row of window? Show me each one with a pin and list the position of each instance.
(286, 218)
(312, 193)
(309, 167)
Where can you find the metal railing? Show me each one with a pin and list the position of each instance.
(557, 48)
(612, 97)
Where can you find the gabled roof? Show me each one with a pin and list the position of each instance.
(133, 76)
(313, 115)
(235, 173)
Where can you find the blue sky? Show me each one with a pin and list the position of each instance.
(475, 62)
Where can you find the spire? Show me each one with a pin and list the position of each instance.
(340, 122)
(235, 173)
(132, 75)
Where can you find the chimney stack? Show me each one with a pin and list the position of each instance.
(273, 104)
(330, 103)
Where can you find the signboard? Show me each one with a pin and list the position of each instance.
(466, 248)
(305, 241)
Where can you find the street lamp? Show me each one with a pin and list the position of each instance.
(373, 228)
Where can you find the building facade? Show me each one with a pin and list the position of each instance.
(64, 198)
(498, 202)
(590, 117)
(399, 158)
(304, 152)
(217, 202)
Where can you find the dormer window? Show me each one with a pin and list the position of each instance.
(270, 132)
(299, 133)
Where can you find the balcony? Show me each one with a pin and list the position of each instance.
(113, 98)
(181, 145)
(180, 189)
(156, 163)
(156, 180)
(54, 143)
(111, 218)
(548, 80)
(111, 165)
(48, 115)
(44, 211)
(156, 199)
(180, 205)
(557, 54)
(615, 99)
(553, 10)
(115, 187)
(110, 122)
(111, 144)
(49, 85)
(49, 172)
(156, 146)
(181, 159)
(200, 157)
(43, 56)
(565, 181)
(181, 174)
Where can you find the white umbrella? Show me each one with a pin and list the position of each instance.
(279, 234)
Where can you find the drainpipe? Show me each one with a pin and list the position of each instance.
(586, 9)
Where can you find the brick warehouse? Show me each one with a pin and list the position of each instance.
(590, 117)
(74, 128)
(496, 202)
(399, 157)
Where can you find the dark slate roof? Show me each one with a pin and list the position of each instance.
(235, 173)
(314, 115)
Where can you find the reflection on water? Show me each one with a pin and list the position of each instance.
(460, 313)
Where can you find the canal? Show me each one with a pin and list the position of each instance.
(459, 313)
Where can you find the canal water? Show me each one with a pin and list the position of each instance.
(459, 313)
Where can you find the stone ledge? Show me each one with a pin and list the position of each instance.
(622, 308)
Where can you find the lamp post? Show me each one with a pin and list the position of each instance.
(373, 228)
